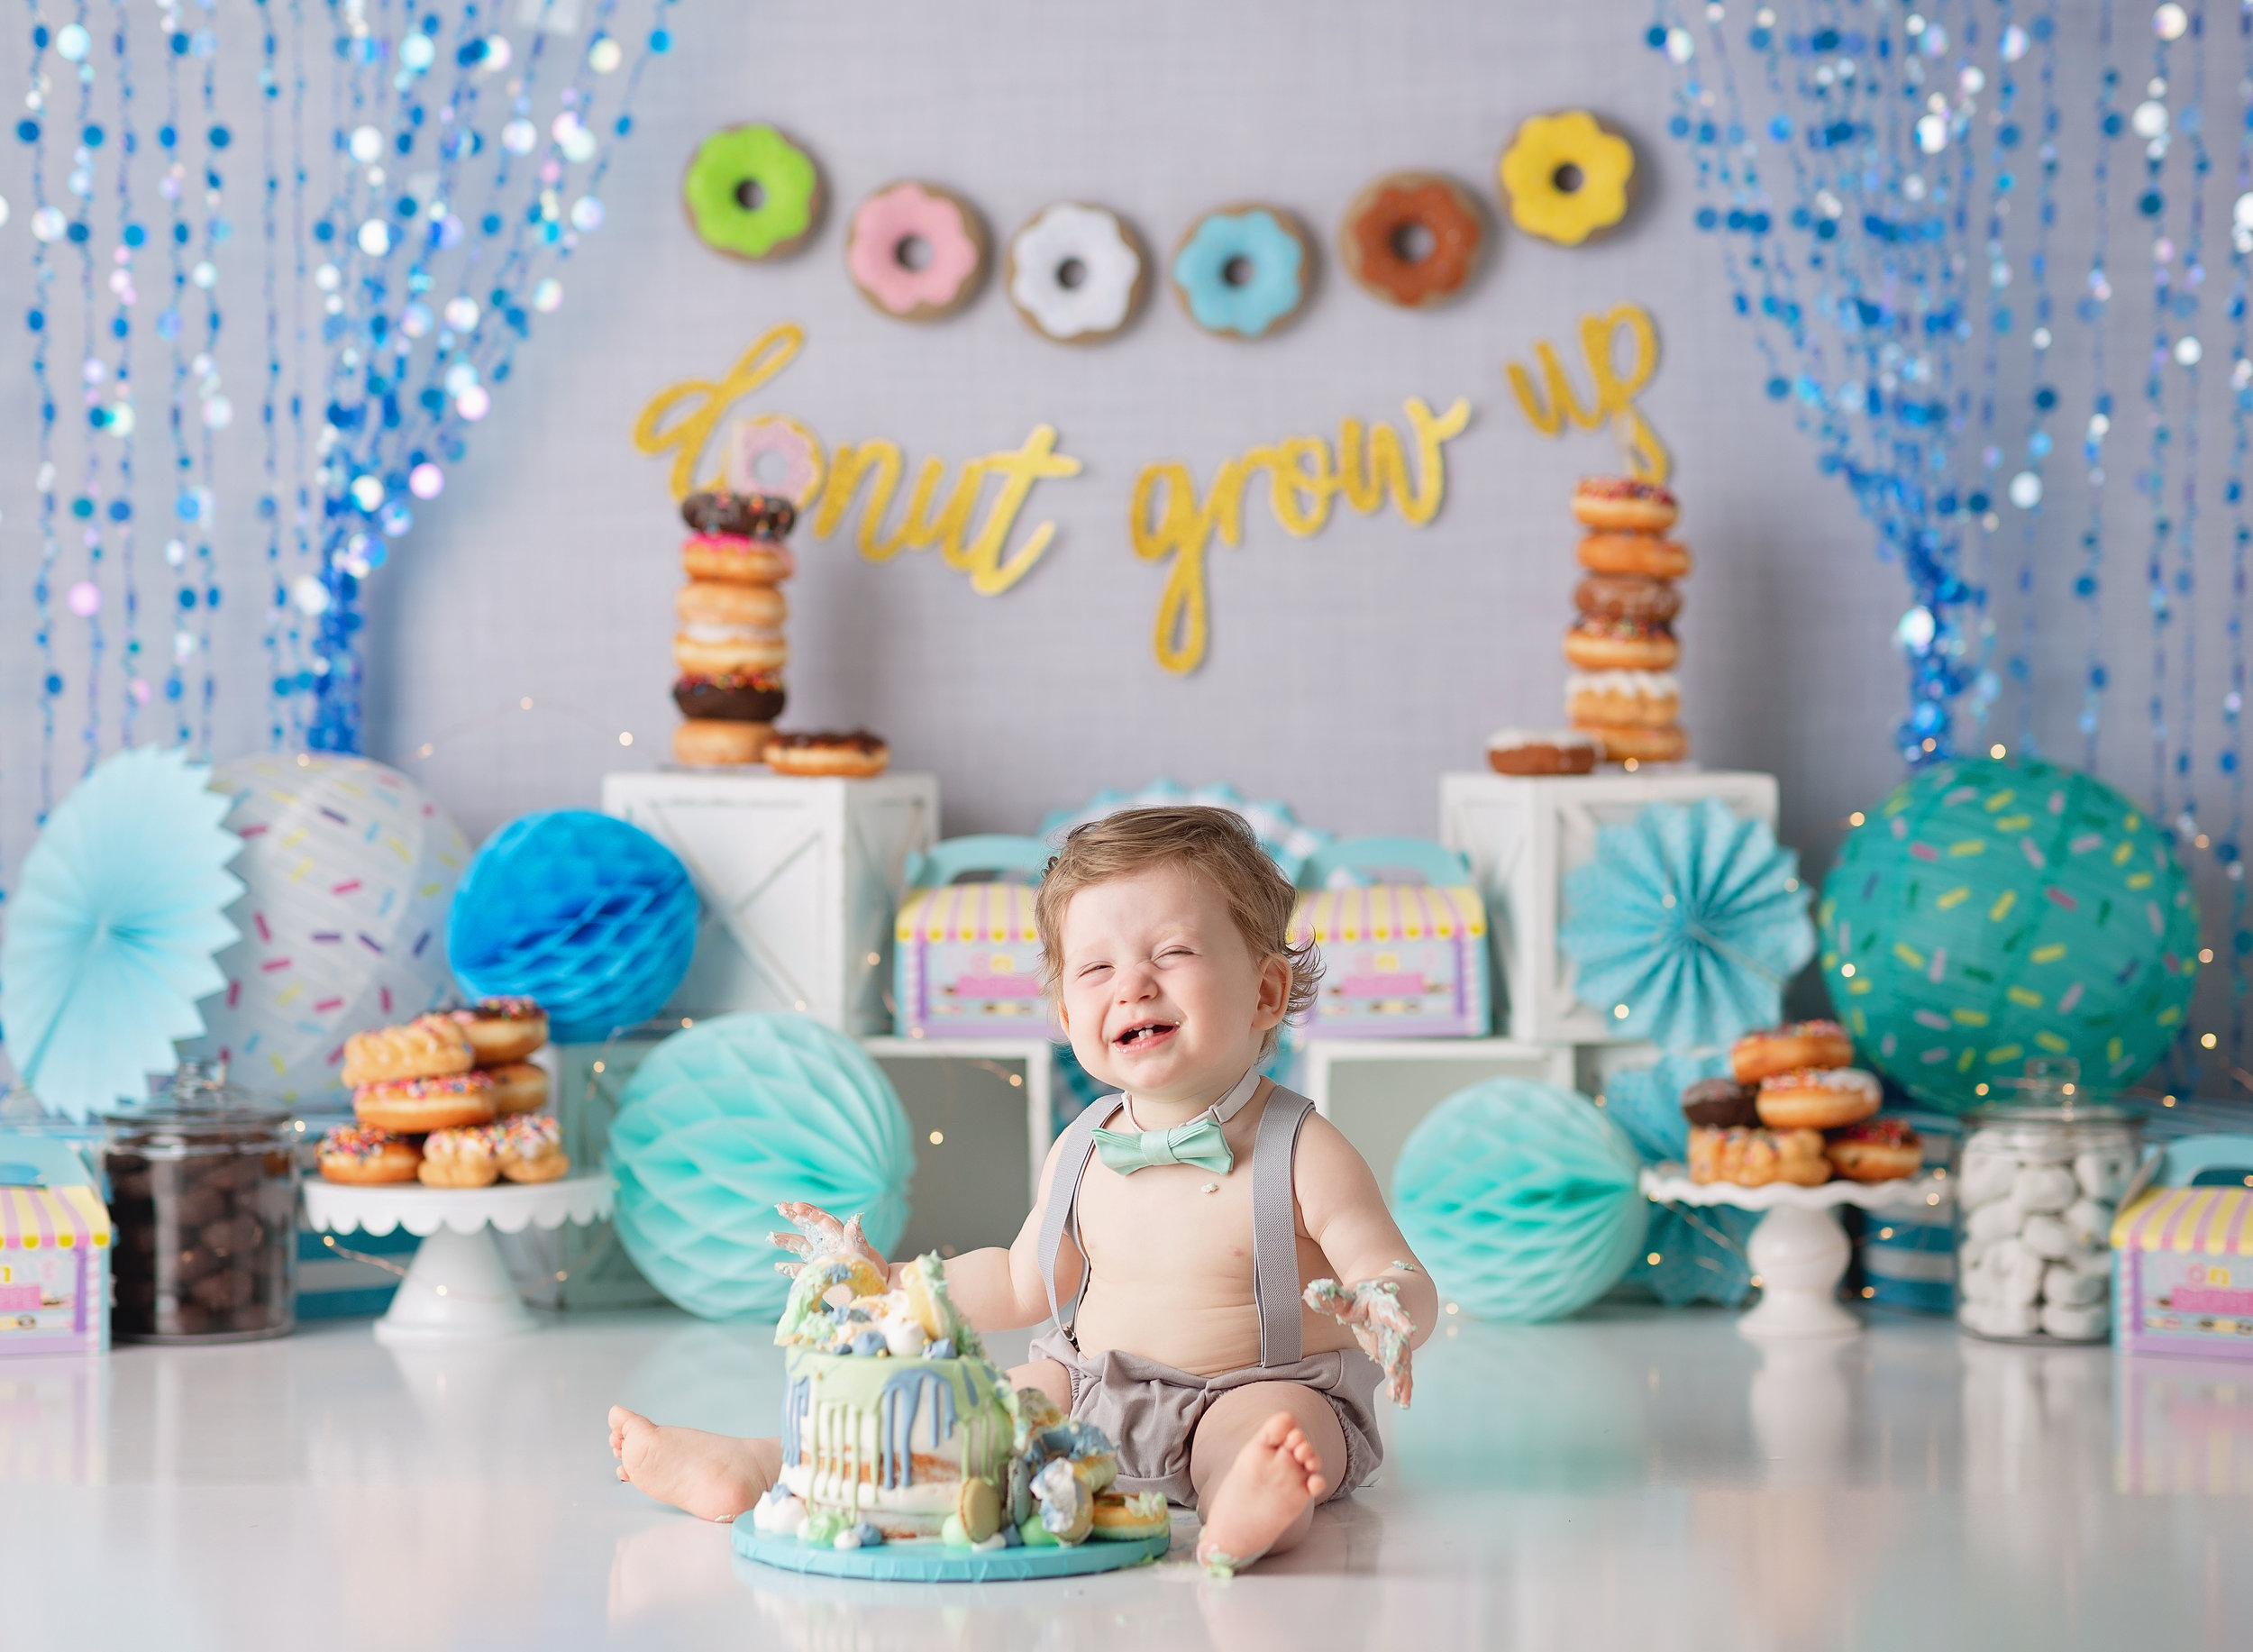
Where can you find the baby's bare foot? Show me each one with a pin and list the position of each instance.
(711, 1475)
(1270, 1485)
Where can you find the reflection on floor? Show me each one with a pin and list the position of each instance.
(1631, 1479)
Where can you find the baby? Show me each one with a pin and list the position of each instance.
(1179, 1218)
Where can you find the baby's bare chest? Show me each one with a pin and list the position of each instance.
(1171, 1221)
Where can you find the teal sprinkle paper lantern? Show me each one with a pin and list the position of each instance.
(732, 1117)
(1988, 913)
(1521, 1198)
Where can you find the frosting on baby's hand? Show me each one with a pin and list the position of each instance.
(1372, 1311)
(821, 1237)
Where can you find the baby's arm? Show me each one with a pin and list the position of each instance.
(1388, 1302)
(1000, 1289)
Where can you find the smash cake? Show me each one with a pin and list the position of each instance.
(897, 1430)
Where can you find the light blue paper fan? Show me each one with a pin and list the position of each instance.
(1646, 1102)
(729, 1118)
(1273, 821)
(1522, 1199)
(1690, 919)
(116, 914)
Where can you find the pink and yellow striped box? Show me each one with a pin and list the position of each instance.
(1400, 961)
(967, 962)
(2182, 1262)
(54, 1253)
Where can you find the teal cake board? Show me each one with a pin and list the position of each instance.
(935, 1563)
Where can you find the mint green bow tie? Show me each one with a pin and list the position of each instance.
(1198, 1142)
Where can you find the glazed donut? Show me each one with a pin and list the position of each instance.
(1372, 238)
(775, 457)
(727, 556)
(1614, 596)
(1077, 273)
(1788, 1049)
(466, 1156)
(708, 743)
(502, 1029)
(740, 515)
(1819, 1098)
(1623, 504)
(751, 193)
(1522, 751)
(887, 227)
(518, 1087)
(1129, 1516)
(1641, 699)
(531, 1148)
(414, 1105)
(717, 635)
(1754, 1158)
(1634, 745)
(731, 697)
(1720, 1104)
(725, 604)
(365, 1157)
(1243, 271)
(425, 1047)
(1621, 646)
(860, 756)
(1875, 1150)
(1642, 555)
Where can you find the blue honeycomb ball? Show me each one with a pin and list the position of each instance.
(732, 1117)
(1987, 914)
(594, 918)
(1523, 1200)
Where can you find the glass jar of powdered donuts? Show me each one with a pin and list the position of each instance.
(204, 1195)
(2039, 1179)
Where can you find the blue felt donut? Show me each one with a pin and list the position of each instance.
(1243, 271)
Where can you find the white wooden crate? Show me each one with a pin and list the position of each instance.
(799, 880)
(1377, 1090)
(1522, 833)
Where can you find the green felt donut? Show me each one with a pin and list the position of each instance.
(751, 193)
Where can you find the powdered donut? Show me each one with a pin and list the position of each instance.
(1641, 699)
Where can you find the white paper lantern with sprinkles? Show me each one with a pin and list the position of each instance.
(348, 871)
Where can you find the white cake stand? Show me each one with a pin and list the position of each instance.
(1800, 1252)
(458, 1287)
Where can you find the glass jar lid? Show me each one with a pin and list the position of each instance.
(2048, 1113)
(199, 1096)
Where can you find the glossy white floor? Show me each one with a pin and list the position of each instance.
(1637, 1480)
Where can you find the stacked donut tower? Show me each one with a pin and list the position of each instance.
(1623, 691)
(1794, 1109)
(449, 1099)
(730, 649)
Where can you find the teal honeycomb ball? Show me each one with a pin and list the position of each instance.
(729, 1117)
(1988, 913)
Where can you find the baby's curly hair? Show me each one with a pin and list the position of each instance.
(1216, 845)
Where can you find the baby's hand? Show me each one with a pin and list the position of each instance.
(819, 1235)
(1372, 1311)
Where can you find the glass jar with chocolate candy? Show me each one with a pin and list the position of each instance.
(2036, 1185)
(204, 1195)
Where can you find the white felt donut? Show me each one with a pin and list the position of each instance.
(1076, 273)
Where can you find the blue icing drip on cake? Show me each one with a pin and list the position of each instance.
(902, 1402)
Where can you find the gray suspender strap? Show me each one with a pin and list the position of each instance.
(1275, 1227)
(1078, 1145)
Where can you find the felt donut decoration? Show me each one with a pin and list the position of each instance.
(751, 193)
(1244, 270)
(1076, 273)
(916, 250)
(1566, 175)
(1411, 239)
(774, 456)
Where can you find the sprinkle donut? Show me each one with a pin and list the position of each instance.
(775, 456)
(1819, 1098)
(887, 229)
(1377, 237)
(1243, 271)
(1076, 273)
(751, 193)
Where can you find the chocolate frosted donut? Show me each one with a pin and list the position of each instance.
(1723, 1103)
(754, 697)
(746, 515)
(1610, 596)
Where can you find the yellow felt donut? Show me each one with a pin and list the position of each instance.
(1566, 177)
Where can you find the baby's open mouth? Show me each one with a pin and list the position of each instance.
(1143, 1032)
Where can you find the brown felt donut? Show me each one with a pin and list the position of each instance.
(1380, 220)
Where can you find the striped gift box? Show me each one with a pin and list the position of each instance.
(54, 1251)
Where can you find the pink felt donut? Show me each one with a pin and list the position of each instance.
(773, 453)
(916, 250)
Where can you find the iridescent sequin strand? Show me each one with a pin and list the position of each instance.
(2088, 584)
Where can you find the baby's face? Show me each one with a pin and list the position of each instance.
(1158, 991)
